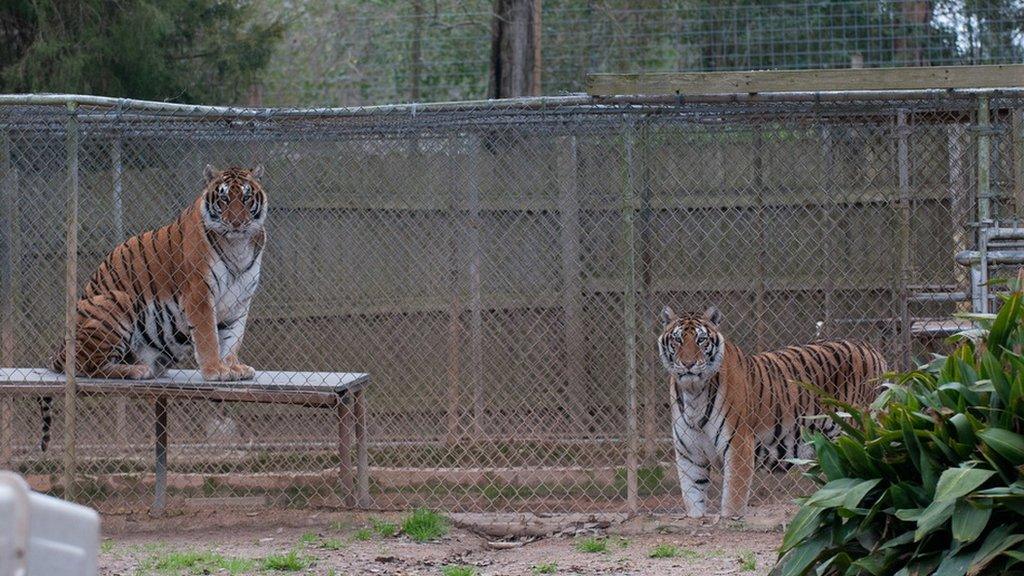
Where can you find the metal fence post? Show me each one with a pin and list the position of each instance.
(829, 244)
(984, 201)
(959, 202)
(10, 240)
(455, 327)
(760, 231)
(629, 294)
(572, 290)
(71, 315)
(1017, 150)
(903, 160)
(117, 164)
(649, 370)
(476, 332)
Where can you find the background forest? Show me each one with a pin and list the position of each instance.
(352, 52)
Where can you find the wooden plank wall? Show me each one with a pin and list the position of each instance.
(369, 266)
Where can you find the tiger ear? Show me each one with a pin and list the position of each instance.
(667, 315)
(209, 173)
(257, 171)
(713, 315)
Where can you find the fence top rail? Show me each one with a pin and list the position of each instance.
(579, 101)
(782, 81)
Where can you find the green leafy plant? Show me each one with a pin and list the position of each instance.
(545, 568)
(363, 534)
(458, 570)
(331, 544)
(663, 551)
(592, 545)
(195, 562)
(748, 562)
(928, 480)
(290, 562)
(384, 529)
(425, 525)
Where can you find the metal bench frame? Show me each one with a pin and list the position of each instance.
(339, 390)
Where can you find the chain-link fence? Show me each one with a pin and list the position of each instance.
(497, 268)
(353, 53)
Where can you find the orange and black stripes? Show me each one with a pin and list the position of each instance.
(745, 409)
(184, 286)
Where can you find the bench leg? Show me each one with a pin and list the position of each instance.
(6, 431)
(362, 457)
(345, 449)
(160, 498)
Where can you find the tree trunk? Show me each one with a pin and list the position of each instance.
(417, 49)
(515, 49)
(915, 19)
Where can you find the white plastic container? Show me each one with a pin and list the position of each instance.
(44, 536)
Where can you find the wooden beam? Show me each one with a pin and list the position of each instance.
(703, 83)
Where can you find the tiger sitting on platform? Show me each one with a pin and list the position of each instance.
(185, 287)
(732, 409)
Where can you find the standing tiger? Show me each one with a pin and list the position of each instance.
(184, 287)
(732, 409)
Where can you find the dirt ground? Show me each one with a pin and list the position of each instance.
(219, 542)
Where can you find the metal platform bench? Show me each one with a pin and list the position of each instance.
(342, 391)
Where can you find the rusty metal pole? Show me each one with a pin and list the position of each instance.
(71, 302)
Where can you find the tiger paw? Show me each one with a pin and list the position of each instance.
(242, 371)
(219, 373)
(140, 372)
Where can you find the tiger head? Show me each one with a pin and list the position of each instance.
(691, 346)
(234, 203)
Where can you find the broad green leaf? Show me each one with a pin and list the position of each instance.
(955, 564)
(957, 482)
(878, 563)
(964, 430)
(994, 371)
(969, 521)
(998, 540)
(934, 516)
(805, 523)
(828, 458)
(1019, 556)
(905, 538)
(859, 462)
(846, 492)
(1009, 445)
(796, 561)
(1006, 320)
(910, 514)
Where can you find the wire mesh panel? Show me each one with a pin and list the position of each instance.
(498, 269)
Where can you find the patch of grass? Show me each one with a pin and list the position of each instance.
(458, 570)
(290, 562)
(546, 568)
(107, 546)
(332, 544)
(425, 525)
(339, 526)
(592, 545)
(748, 562)
(384, 529)
(663, 551)
(308, 538)
(363, 534)
(196, 562)
(622, 542)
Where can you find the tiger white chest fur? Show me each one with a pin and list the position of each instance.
(162, 333)
(233, 278)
